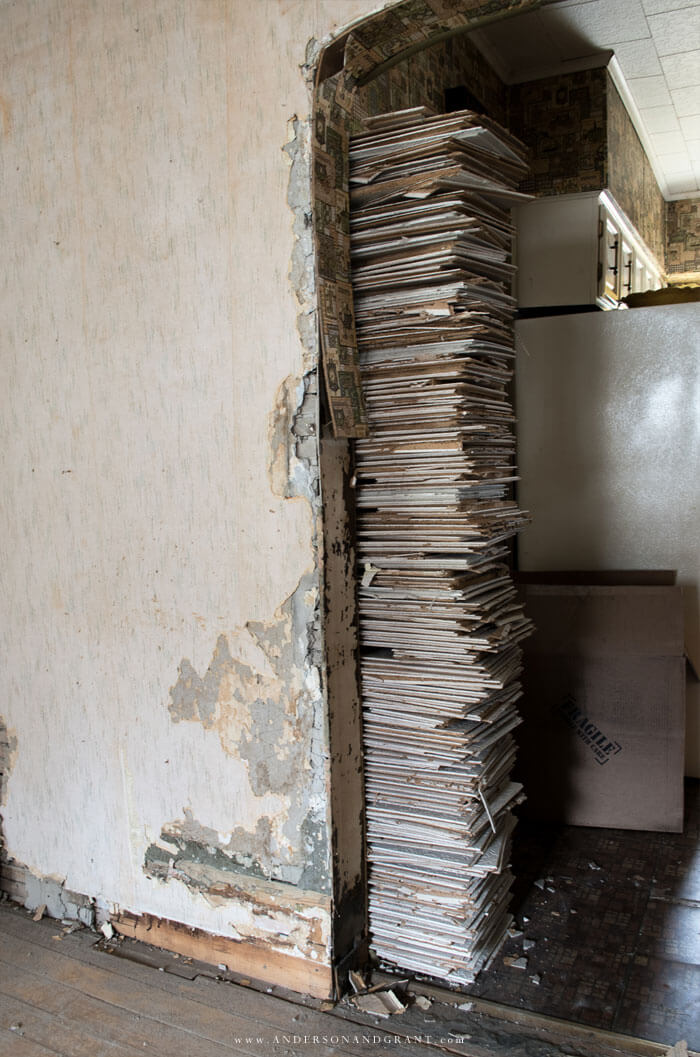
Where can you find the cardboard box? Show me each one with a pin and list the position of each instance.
(602, 742)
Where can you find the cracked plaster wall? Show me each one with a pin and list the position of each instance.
(160, 534)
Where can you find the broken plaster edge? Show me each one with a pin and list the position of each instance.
(315, 47)
(305, 935)
(304, 469)
(34, 891)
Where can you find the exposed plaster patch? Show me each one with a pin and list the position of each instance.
(59, 901)
(33, 891)
(280, 916)
(261, 716)
(195, 697)
(301, 271)
(269, 712)
(279, 432)
(293, 466)
(270, 716)
(314, 846)
(8, 752)
(187, 842)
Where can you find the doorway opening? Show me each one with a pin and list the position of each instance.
(589, 904)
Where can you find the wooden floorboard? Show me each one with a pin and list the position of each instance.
(13, 1044)
(169, 1024)
(92, 1026)
(77, 1000)
(197, 1018)
(61, 1031)
(236, 1012)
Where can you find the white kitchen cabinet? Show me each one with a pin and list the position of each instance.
(578, 250)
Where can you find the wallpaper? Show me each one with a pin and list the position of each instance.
(563, 121)
(631, 179)
(683, 236)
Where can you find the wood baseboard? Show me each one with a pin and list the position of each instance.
(244, 958)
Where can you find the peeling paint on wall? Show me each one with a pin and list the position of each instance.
(242, 703)
(271, 717)
(302, 422)
(8, 751)
(186, 842)
(292, 430)
(291, 915)
(33, 891)
(179, 311)
(279, 431)
(270, 713)
(302, 274)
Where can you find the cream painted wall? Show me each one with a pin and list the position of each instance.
(150, 332)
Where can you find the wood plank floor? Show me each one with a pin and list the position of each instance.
(62, 993)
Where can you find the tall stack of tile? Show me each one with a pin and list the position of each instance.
(439, 619)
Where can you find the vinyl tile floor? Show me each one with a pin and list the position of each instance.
(610, 923)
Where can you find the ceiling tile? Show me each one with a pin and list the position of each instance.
(682, 70)
(571, 40)
(655, 7)
(674, 32)
(668, 143)
(675, 163)
(690, 126)
(649, 91)
(656, 44)
(686, 101)
(660, 119)
(681, 183)
(638, 58)
(601, 22)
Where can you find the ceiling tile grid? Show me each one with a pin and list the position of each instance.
(656, 44)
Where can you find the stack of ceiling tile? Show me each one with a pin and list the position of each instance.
(439, 619)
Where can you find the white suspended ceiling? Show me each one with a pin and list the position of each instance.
(653, 50)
